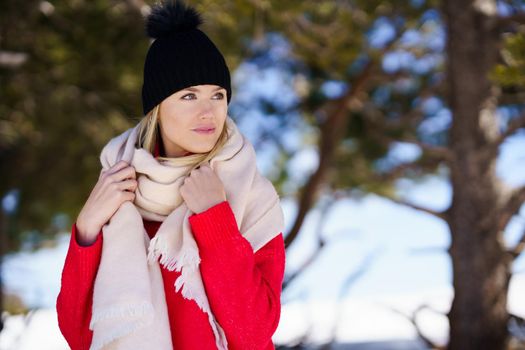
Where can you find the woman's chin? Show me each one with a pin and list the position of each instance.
(199, 150)
(204, 147)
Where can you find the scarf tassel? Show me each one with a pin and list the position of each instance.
(159, 248)
(190, 260)
(142, 316)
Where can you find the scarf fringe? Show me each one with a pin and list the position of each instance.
(220, 337)
(136, 312)
(121, 311)
(186, 292)
(159, 248)
(117, 333)
(189, 260)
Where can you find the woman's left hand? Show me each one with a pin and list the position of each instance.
(202, 189)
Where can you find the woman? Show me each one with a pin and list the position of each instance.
(179, 245)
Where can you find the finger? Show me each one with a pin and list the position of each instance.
(130, 185)
(128, 196)
(116, 167)
(126, 173)
(112, 169)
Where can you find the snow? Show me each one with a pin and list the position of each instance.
(379, 319)
(39, 330)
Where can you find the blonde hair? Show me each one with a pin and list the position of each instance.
(149, 131)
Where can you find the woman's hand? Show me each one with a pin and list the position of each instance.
(202, 189)
(114, 186)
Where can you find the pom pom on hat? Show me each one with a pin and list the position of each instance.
(170, 17)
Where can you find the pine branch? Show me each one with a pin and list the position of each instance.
(439, 214)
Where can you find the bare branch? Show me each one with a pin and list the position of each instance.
(332, 131)
(419, 167)
(517, 326)
(514, 125)
(439, 152)
(440, 214)
(519, 247)
(436, 151)
(320, 243)
(349, 281)
(412, 319)
(513, 205)
(398, 171)
(518, 18)
(307, 263)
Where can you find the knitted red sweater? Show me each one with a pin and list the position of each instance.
(243, 287)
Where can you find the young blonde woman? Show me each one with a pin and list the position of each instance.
(179, 245)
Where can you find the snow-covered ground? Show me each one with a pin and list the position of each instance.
(380, 320)
(395, 257)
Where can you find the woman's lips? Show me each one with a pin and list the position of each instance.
(209, 131)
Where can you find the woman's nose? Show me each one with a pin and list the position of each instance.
(206, 108)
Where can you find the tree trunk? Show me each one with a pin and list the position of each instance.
(3, 239)
(481, 267)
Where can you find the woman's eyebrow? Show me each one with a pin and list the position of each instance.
(197, 90)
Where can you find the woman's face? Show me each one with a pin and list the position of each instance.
(188, 109)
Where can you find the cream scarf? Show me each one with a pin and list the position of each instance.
(129, 305)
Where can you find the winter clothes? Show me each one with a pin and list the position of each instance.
(129, 308)
(242, 283)
(243, 287)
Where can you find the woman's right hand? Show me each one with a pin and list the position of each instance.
(114, 186)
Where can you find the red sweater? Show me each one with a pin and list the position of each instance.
(243, 287)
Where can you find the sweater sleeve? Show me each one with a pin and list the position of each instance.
(243, 287)
(75, 298)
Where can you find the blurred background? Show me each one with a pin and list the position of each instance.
(394, 132)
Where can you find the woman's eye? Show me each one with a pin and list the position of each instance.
(184, 97)
(220, 94)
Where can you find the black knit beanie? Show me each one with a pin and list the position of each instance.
(180, 56)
